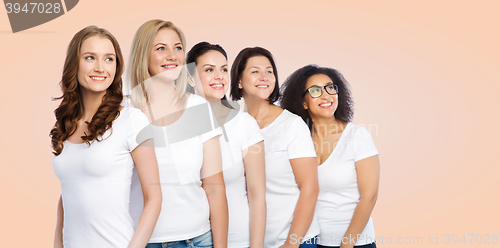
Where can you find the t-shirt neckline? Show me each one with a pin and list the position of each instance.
(275, 120)
(337, 145)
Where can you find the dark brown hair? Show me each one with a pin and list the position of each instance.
(239, 65)
(192, 57)
(295, 85)
(70, 111)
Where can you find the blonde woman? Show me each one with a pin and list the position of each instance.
(194, 213)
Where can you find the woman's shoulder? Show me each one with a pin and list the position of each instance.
(193, 100)
(357, 131)
(293, 119)
(128, 113)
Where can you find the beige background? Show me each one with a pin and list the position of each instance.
(424, 76)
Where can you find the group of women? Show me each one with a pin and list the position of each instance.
(181, 166)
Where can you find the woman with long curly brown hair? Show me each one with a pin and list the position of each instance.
(96, 144)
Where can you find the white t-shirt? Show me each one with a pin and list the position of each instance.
(95, 185)
(179, 150)
(286, 138)
(339, 194)
(240, 132)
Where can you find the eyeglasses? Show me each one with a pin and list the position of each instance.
(316, 91)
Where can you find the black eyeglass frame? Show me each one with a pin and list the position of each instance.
(322, 88)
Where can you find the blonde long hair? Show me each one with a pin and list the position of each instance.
(138, 71)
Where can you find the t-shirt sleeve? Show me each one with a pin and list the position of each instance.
(210, 120)
(301, 145)
(250, 131)
(138, 129)
(363, 144)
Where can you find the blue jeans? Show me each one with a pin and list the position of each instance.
(310, 243)
(204, 240)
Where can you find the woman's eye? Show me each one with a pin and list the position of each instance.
(109, 59)
(314, 90)
(269, 71)
(178, 48)
(209, 70)
(89, 57)
(160, 48)
(225, 70)
(254, 71)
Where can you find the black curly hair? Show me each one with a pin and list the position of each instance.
(293, 89)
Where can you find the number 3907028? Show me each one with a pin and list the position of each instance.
(31, 8)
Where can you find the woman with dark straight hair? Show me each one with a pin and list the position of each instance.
(348, 160)
(242, 147)
(291, 176)
(96, 145)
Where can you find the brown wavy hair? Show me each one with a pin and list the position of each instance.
(70, 111)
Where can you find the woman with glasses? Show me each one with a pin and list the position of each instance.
(348, 171)
(291, 176)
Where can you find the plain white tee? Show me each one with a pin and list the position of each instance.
(179, 151)
(339, 194)
(240, 131)
(95, 185)
(286, 138)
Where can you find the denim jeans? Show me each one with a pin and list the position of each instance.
(204, 240)
(310, 243)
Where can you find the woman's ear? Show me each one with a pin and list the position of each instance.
(239, 85)
(304, 105)
(191, 81)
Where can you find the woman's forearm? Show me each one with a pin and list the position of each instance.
(216, 195)
(258, 212)
(147, 221)
(359, 220)
(303, 215)
(58, 236)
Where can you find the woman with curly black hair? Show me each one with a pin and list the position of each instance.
(348, 171)
(96, 145)
(291, 177)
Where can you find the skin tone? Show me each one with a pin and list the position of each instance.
(258, 82)
(166, 59)
(96, 72)
(326, 134)
(212, 70)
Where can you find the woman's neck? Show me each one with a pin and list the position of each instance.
(327, 126)
(161, 91)
(220, 111)
(91, 102)
(258, 108)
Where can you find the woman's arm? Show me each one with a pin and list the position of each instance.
(58, 242)
(255, 174)
(147, 170)
(368, 171)
(305, 171)
(213, 184)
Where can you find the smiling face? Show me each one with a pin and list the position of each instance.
(213, 75)
(167, 55)
(257, 79)
(97, 65)
(323, 106)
